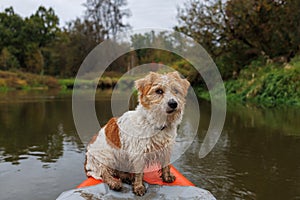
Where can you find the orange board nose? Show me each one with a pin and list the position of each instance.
(152, 178)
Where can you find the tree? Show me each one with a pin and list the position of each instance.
(38, 45)
(34, 60)
(106, 17)
(39, 31)
(103, 20)
(8, 60)
(11, 26)
(267, 27)
(235, 32)
(41, 27)
(24, 40)
(81, 39)
(205, 22)
(148, 55)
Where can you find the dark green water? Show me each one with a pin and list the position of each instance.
(256, 157)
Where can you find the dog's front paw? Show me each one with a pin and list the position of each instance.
(115, 185)
(126, 178)
(168, 178)
(139, 190)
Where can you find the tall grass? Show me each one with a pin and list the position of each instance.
(269, 84)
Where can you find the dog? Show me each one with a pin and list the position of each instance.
(141, 138)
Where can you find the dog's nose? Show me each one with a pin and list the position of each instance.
(172, 104)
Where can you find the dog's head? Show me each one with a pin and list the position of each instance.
(163, 93)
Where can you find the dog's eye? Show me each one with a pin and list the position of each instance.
(175, 91)
(159, 91)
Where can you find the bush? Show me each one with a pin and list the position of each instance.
(51, 82)
(2, 83)
(270, 84)
(20, 80)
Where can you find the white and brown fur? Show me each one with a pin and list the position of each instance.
(127, 145)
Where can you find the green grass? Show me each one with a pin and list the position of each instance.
(269, 84)
(104, 82)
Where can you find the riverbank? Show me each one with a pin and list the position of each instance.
(11, 80)
(18, 80)
(267, 84)
(259, 83)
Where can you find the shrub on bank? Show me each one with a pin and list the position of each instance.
(271, 84)
(21, 80)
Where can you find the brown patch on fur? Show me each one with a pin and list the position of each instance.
(143, 86)
(112, 133)
(143, 98)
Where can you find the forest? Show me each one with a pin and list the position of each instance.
(255, 45)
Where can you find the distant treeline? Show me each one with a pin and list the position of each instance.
(37, 44)
(234, 32)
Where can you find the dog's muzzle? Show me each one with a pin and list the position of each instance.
(172, 105)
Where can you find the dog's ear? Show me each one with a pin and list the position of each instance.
(185, 84)
(183, 81)
(140, 84)
(143, 86)
(175, 74)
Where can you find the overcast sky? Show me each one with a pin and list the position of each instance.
(145, 13)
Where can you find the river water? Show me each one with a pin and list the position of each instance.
(41, 155)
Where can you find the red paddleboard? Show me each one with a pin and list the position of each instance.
(152, 178)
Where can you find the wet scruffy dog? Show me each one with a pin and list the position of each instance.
(127, 145)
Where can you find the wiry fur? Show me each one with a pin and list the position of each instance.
(142, 138)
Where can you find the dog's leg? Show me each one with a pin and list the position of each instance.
(126, 177)
(113, 183)
(166, 175)
(138, 186)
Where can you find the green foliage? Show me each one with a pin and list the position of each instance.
(34, 61)
(269, 28)
(203, 21)
(41, 27)
(269, 84)
(104, 82)
(150, 55)
(235, 32)
(265, 84)
(22, 40)
(11, 26)
(295, 62)
(8, 60)
(37, 44)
